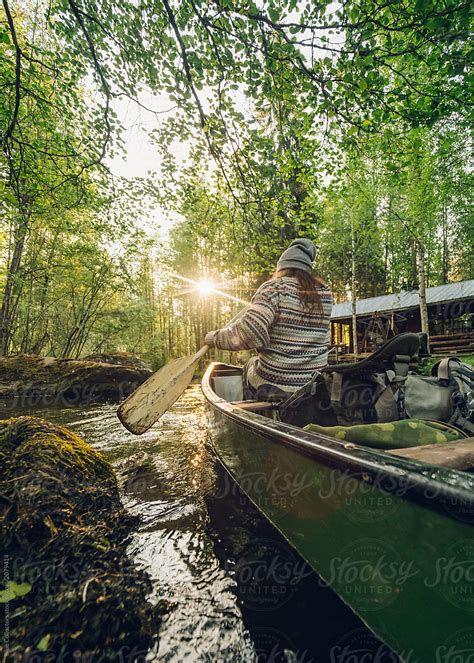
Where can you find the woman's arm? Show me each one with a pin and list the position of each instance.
(252, 329)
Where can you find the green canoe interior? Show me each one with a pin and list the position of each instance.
(340, 504)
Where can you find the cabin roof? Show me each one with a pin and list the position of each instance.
(400, 301)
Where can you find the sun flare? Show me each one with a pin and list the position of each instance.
(205, 287)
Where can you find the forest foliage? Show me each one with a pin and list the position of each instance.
(344, 122)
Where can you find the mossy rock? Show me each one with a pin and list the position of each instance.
(33, 380)
(71, 586)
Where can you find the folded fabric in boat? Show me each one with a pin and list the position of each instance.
(399, 434)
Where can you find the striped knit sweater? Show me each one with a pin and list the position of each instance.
(292, 343)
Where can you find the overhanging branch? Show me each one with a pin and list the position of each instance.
(16, 109)
(98, 67)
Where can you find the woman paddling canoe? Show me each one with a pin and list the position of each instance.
(287, 322)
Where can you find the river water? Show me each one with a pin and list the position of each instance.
(238, 591)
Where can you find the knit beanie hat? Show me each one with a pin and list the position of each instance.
(299, 255)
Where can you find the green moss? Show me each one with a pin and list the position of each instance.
(65, 535)
(35, 434)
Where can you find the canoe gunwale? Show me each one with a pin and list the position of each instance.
(436, 487)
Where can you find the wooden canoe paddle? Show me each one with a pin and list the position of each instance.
(154, 397)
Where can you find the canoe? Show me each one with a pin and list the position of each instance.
(392, 535)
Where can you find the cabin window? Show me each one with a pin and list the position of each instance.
(340, 334)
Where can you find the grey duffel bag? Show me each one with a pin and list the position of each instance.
(446, 396)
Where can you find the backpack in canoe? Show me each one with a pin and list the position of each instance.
(383, 388)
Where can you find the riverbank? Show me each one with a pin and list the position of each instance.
(29, 380)
(69, 585)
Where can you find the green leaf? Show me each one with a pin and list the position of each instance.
(273, 13)
(44, 642)
(14, 590)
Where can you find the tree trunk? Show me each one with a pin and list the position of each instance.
(420, 261)
(354, 293)
(7, 316)
(445, 254)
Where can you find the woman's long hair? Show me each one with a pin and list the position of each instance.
(309, 286)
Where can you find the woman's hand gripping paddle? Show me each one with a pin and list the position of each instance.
(154, 397)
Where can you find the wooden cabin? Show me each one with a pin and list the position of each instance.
(450, 313)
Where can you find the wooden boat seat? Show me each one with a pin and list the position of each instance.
(255, 405)
(457, 455)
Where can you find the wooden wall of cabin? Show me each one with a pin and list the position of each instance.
(452, 318)
(412, 320)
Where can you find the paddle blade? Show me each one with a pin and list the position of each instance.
(150, 401)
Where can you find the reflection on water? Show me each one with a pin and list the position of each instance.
(205, 554)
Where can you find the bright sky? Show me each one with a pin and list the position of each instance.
(141, 155)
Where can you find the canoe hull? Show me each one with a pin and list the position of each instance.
(399, 561)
